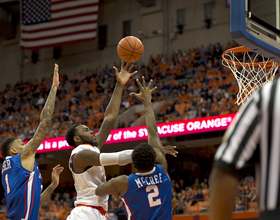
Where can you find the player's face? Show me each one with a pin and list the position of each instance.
(87, 135)
(18, 146)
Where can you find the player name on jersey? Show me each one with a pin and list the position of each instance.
(144, 181)
(6, 165)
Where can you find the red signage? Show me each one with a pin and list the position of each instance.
(191, 126)
(175, 128)
(53, 144)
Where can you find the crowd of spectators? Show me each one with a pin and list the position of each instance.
(195, 198)
(188, 199)
(193, 83)
(246, 195)
(196, 85)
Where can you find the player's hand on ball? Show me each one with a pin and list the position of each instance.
(57, 170)
(125, 73)
(170, 150)
(145, 91)
(55, 76)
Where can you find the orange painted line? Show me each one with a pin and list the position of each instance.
(190, 217)
(241, 215)
(235, 215)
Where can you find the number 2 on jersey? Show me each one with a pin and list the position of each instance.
(7, 183)
(152, 195)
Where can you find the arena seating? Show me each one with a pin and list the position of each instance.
(192, 83)
(191, 199)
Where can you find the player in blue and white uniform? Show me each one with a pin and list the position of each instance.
(21, 177)
(22, 188)
(146, 194)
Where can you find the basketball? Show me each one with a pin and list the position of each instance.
(130, 49)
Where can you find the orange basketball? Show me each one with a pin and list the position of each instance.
(130, 49)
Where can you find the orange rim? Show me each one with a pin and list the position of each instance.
(245, 49)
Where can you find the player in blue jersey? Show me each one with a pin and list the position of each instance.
(21, 177)
(146, 194)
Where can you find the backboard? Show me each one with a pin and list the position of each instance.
(255, 25)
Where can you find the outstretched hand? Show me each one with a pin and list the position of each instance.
(55, 76)
(125, 73)
(145, 91)
(57, 170)
(170, 150)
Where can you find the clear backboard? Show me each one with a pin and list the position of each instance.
(255, 25)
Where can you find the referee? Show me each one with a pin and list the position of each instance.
(252, 138)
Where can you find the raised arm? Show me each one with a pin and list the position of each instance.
(113, 107)
(28, 154)
(57, 170)
(153, 138)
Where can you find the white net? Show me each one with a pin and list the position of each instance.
(251, 71)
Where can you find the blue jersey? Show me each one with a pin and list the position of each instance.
(148, 196)
(22, 189)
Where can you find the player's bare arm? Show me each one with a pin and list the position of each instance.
(86, 158)
(113, 107)
(28, 154)
(223, 192)
(114, 185)
(57, 170)
(145, 96)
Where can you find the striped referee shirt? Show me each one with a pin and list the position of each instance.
(254, 137)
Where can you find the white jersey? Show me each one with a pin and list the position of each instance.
(88, 181)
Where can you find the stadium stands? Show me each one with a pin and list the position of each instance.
(191, 199)
(191, 84)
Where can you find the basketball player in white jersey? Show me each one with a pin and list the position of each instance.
(86, 162)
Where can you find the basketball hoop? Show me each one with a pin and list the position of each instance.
(251, 70)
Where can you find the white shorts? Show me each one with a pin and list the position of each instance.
(85, 213)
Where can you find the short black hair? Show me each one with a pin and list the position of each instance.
(144, 157)
(6, 146)
(70, 135)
